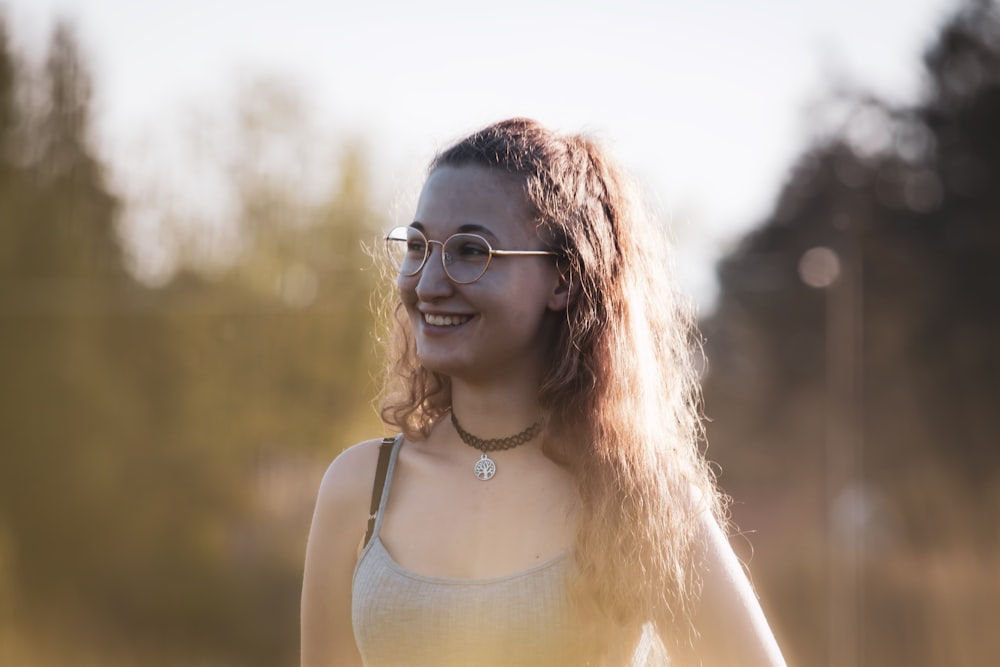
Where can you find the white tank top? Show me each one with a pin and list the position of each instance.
(404, 618)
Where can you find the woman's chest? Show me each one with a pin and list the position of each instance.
(401, 617)
(478, 529)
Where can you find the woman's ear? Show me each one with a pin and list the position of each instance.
(562, 294)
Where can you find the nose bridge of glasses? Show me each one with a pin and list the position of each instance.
(446, 257)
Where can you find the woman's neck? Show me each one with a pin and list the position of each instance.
(495, 410)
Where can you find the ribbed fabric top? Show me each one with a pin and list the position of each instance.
(404, 618)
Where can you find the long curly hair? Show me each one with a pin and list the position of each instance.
(622, 391)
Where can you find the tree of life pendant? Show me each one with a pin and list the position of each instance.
(485, 468)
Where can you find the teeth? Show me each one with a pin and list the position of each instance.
(446, 320)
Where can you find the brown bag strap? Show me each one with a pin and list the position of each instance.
(381, 470)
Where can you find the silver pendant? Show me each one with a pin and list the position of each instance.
(485, 468)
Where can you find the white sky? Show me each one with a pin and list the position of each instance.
(704, 100)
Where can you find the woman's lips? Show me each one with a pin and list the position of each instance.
(445, 320)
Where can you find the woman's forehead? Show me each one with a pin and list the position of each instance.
(474, 199)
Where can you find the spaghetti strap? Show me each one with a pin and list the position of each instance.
(388, 451)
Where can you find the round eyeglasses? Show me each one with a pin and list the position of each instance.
(465, 257)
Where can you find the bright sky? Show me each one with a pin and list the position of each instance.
(704, 100)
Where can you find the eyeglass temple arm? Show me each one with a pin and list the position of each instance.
(523, 252)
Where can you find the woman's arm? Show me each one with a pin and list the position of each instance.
(729, 622)
(338, 526)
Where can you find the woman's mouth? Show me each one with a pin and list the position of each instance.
(446, 320)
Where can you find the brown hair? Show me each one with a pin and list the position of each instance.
(622, 388)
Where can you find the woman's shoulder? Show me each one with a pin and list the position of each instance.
(349, 477)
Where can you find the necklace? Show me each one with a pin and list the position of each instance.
(485, 468)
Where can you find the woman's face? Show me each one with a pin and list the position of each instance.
(501, 325)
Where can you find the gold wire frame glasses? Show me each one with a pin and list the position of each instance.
(465, 257)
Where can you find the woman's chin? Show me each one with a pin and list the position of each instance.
(445, 364)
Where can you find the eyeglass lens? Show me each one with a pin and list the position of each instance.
(465, 256)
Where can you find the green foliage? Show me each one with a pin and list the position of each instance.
(898, 359)
(159, 447)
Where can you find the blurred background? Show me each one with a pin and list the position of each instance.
(186, 337)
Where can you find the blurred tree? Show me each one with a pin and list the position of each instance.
(8, 170)
(159, 447)
(906, 200)
(305, 254)
(8, 207)
(59, 272)
(270, 358)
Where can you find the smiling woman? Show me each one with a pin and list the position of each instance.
(497, 315)
(546, 502)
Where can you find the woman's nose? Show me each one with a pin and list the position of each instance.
(433, 282)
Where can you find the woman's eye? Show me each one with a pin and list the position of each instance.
(473, 249)
(416, 247)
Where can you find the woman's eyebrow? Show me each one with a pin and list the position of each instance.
(467, 228)
(472, 228)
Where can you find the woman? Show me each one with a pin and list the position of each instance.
(546, 502)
